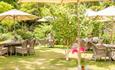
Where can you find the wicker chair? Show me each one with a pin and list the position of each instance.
(42, 42)
(112, 53)
(99, 52)
(88, 45)
(22, 49)
(3, 50)
(31, 44)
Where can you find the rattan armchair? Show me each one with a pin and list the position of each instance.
(3, 50)
(23, 48)
(42, 41)
(100, 52)
(31, 44)
(112, 53)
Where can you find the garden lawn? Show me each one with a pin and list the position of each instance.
(52, 59)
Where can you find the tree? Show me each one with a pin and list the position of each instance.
(12, 2)
(64, 26)
(41, 31)
(6, 24)
(5, 6)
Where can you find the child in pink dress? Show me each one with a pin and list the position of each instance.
(75, 46)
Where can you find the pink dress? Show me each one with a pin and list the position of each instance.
(82, 49)
(75, 50)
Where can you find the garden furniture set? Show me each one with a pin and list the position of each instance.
(100, 49)
(17, 47)
(103, 51)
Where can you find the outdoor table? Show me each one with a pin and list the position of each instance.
(110, 49)
(11, 46)
(107, 45)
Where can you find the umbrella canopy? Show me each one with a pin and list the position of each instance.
(42, 20)
(47, 19)
(90, 13)
(105, 15)
(17, 15)
(60, 1)
(110, 11)
(107, 12)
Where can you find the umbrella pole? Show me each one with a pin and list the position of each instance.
(14, 22)
(67, 49)
(112, 36)
(113, 32)
(78, 28)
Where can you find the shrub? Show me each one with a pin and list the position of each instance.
(41, 31)
(6, 36)
(25, 34)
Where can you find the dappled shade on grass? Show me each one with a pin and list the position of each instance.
(49, 59)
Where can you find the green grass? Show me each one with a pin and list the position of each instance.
(50, 59)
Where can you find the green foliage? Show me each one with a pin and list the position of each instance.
(45, 11)
(65, 27)
(5, 6)
(66, 24)
(6, 24)
(12, 2)
(9, 24)
(1, 29)
(30, 8)
(25, 34)
(41, 31)
(106, 37)
(62, 24)
(6, 36)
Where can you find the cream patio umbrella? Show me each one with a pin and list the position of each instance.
(16, 15)
(61, 2)
(47, 19)
(109, 13)
(90, 13)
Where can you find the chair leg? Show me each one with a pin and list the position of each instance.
(34, 53)
(94, 58)
(16, 54)
(22, 54)
(98, 58)
(10, 53)
(109, 58)
(7, 54)
(105, 58)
